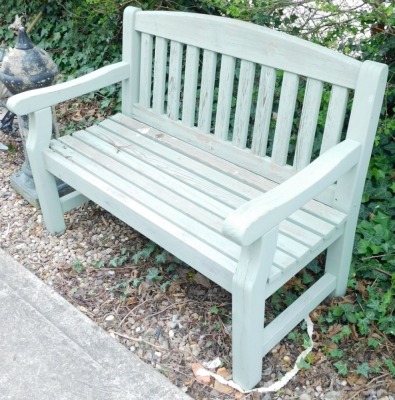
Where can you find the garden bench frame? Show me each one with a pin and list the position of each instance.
(170, 166)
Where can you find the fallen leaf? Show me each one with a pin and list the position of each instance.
(223, 372)
(239, 395)
(354, 333)
(77, 117)
(222, 388)
(391, 387)
(196, 369)
(202, 280)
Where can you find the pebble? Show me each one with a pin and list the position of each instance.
(305, 396)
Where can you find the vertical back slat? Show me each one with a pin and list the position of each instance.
(207, 91)
(190, 85)
(334, 118)
(243, 105)
(285, 117)
(225, 94)
(146, 70)
(160, 67)
(263, 112)
(308, 123)
(174, 85)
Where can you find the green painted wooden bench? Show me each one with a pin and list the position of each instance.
(214, 159)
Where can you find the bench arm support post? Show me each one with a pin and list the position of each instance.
(256, 217)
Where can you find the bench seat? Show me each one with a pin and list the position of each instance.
(168, 189)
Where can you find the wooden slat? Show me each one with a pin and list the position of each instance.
(207, 91)
(301, 235)
(308, 123)
(310, 221)
(225, 95)
(334, 118)
(220, 184)
(285, 117)
(164, 173)
(253, 43)
(174, 84)
(146, 70)
(243, 105)
(160, 68)
(263, 112)
(190, 86)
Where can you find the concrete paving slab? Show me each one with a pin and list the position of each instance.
(50, 350)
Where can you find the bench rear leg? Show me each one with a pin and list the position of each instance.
(40, 131)
(248, 309)
(338, 258)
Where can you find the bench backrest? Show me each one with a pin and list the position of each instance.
(259, 98)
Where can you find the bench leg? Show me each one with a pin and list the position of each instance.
(40, 131)
(248, 309)
(338, 259)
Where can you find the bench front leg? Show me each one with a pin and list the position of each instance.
(40, 132)
(248, 308)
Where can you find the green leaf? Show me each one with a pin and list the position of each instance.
(342, 368)
(337, 311)
(154, 275)
(363, 369)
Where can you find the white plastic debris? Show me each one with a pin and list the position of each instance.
(216, 363)
(273, 388)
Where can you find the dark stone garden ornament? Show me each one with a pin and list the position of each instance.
(25, 67)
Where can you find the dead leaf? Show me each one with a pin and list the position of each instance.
(202, 280)
(223, 372)
(334, 329)
(391, 387)
(222, 388)
(354, 333)
(239, 395)
(199, 377)
(77, 117)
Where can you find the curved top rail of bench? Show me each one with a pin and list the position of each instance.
(253, 43)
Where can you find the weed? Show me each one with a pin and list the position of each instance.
(341, 367)
(77, 266)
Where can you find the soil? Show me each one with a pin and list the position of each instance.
(166, 313)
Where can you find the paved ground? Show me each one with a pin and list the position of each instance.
(49, 350)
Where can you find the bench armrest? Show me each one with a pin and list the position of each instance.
(37, 99)
(256, 217)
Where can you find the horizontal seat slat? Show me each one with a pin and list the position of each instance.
(165, 177)
(236, 191)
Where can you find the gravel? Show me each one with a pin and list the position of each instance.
(169, 328)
